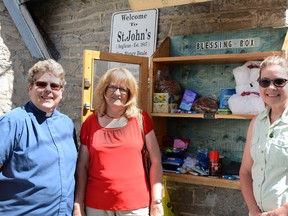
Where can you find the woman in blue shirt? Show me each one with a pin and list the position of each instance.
(38, 149)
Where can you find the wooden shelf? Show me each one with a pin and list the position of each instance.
(162, 60)
(203, 180)
(216, 59)
(201, 115)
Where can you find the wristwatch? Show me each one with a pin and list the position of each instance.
(158, 201)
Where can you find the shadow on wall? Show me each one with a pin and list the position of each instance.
(14, 64)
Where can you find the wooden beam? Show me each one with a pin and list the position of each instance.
(27, 28)
(137, 5)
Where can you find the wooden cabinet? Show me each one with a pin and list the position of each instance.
(96, 63)
(161, 60)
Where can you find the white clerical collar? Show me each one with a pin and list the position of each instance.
(48, 114)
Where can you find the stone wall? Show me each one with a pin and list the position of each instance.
(15, 60)
(74, 25)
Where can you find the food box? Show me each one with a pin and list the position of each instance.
(187, 100)
(165, 102)
(165, 98)
(171, 164)
(224, 111)
(225, 94)
(164, 107)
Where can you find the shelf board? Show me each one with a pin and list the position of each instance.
(201, 115)
(203, 180)
(216, 59)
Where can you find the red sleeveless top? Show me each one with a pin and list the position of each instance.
(116, 179)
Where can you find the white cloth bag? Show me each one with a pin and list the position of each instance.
(247, 99)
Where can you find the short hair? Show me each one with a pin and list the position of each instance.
(124, 76)
(46, 66)
(274, 60)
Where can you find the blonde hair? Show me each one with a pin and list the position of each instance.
(124, 76)
(274, 60)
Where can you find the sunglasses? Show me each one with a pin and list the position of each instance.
(53, 86)
(113, 88)
(279, 82)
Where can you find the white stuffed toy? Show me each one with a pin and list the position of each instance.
(247, 99)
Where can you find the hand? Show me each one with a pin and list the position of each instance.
(271, 213)
(78, 210)
(282, 211)
(156, 210)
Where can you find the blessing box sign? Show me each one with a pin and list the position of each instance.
(134, 33)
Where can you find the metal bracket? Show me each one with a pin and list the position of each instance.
(209, 116)
(86, 106)
(87, 83)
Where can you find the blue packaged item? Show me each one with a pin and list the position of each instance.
(187, 100)
(225, 94)
(203, 158)
(171, 163)
(230, 177)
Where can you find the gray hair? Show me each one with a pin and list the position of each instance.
(46, 66)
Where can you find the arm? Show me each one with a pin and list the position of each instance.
(246, 182)
(9, 137)
(156, 173)
(246, 177)
(81, 180)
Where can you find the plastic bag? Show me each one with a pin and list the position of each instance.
(246, 77)
(167, 206)
(251, 104)
(247, 99)
(164, 84)
(205, 105)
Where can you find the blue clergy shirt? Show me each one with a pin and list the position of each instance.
(38, 153)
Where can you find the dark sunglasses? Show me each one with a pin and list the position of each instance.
(279, 82)
(53, 86)
(113, 88)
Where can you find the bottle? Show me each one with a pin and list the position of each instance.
(214, 167)
(157, 82)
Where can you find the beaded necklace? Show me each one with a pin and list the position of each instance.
(115, 117)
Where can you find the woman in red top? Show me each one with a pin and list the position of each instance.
(110, 177)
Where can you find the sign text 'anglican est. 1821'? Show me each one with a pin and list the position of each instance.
(134, 33)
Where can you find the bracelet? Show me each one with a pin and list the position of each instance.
(271, 213)
(158, 201)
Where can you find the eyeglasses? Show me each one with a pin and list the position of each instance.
(53, 86)
(279, 82)
(113, 88)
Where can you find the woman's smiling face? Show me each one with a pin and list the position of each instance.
(46, 98)
(273, 95)
(117, 94)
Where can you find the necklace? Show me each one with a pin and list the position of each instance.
(115, 117)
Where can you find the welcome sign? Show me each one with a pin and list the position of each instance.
(134, 33)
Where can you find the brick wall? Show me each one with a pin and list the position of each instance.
(75, 25)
